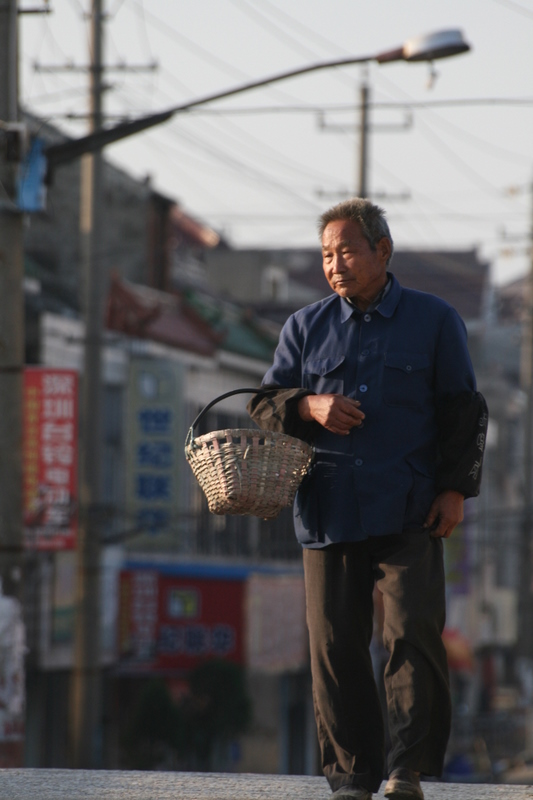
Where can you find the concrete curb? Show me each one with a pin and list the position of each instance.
(59, 784)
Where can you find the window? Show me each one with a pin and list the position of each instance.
(274, 284)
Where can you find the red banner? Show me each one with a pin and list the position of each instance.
(172, 623)
(50, 458)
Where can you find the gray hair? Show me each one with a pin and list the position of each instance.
(370, 217)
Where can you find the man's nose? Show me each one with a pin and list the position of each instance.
(338, 264)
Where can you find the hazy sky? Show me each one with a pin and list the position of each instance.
(450, 176)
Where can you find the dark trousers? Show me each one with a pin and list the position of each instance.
(339, 582)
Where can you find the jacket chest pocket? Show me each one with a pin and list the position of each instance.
(406, 379)
(325, 375)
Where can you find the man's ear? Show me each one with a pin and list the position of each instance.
(384, 248)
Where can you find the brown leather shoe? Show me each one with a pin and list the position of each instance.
(403, 784)
(352, 793)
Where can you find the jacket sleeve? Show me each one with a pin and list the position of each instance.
(276, 409)
(462, 422)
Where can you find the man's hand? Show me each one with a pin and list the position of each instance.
(445, 513)
(337, 413)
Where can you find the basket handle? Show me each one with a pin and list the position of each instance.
(203, 412)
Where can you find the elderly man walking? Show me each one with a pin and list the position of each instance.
(379, 378)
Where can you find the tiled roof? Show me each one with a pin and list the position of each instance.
(185, 228)
(149, 314)
(191, 321)
(459, 277)
(240, 329)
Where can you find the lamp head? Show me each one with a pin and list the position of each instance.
(442, 44)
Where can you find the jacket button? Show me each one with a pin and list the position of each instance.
(408, 368)
(367, 317)
(363, 387)
(358, 462)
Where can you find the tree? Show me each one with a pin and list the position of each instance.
(217, 710)
(157, 730)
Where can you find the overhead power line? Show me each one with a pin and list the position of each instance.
(265, 23)
(302, 28)
(350, 107)
(526, 12)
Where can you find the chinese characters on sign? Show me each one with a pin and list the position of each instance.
(153, 444)
(169, 622)
(50, 458)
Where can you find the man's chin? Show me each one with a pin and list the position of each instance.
(343, 291)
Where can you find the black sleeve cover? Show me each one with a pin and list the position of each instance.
(278, 411)
(462, 425)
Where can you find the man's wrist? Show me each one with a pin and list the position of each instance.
(453, 491)
(304, 409)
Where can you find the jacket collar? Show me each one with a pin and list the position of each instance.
(386, 308)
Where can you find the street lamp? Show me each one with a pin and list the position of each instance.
(86, 690)
(442, 44)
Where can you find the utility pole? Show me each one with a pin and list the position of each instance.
(525, 589)
(11, 327)
(364, 93)
(86, 698)
(364, 129)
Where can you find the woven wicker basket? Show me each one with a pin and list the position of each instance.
(247, 471)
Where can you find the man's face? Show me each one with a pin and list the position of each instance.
(351, 267)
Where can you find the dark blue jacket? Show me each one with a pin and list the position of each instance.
(406, 362)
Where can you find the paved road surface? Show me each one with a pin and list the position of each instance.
(57, 784)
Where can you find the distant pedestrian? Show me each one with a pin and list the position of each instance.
(379, 378)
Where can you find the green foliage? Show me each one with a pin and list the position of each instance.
(157, 728)
(218, 708)
(192, 734)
